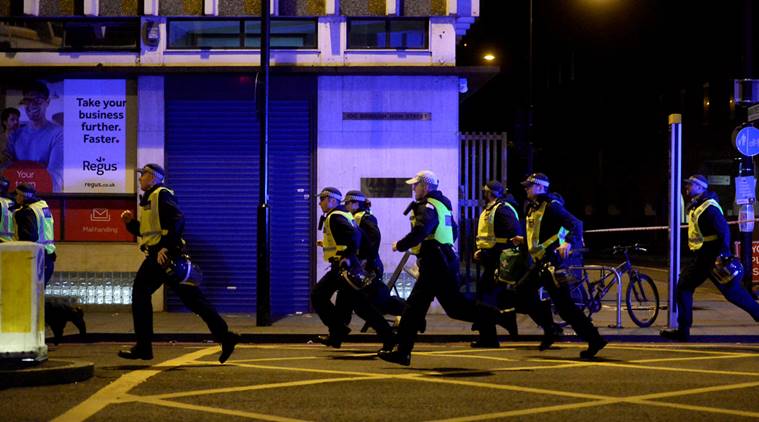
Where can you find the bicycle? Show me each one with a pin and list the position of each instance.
(641, 298)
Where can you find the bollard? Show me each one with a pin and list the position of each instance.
(22, 302)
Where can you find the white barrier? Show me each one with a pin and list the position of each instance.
(22, 301)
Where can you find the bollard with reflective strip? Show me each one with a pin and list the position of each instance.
(22, 301)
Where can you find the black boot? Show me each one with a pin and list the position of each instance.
(593, 348)
(137, 352)
(395, 356)
(228, 346)
(676, 334)
(76, 316)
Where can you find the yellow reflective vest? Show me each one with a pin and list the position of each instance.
(150, 222)
(443, 232)
(45, 225)
(330, 248)
(360, 215)
(486, 238)
(696, 239)
(7, 230)
(534, 246)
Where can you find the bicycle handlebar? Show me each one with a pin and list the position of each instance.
(636, 247)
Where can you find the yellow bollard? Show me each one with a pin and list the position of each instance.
(22, 301)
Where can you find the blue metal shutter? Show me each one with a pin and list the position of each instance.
(212, 163)
(292, 205)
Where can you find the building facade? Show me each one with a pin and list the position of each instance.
(364, 93)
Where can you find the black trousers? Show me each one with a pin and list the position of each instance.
(149, 278)
(439, 278)
(333, 316)
(497, 294)
(693, 275)
(56, 312)
(377, 294)
(541, 276)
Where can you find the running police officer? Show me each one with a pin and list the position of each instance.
(160, 229)
(340, 245)
(433, 232)
(377, 293)
(551, 233)
(498, 224)
(33, 222)
(709, 239)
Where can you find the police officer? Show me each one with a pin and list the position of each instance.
(551, 233)
(33, 222)
(377, 293)
(340, 246)
(6, 212)
(498, 225)
(433, 232)
(708, 238)
(160, 231)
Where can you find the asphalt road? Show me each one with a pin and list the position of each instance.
(278, 382)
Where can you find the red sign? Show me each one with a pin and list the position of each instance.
(97, 220)
(29, 172)
(754, 260)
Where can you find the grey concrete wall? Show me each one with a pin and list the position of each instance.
(56, 7)
(363, 7)
(180, 7)
(424, 8)
(240, 8)
(119, 8)
(301, 8)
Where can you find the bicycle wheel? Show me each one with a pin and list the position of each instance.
(642, 300)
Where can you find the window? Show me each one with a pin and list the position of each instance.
(240, 33)
(69, 34)
(393, 33)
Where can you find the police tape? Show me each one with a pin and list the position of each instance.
(656, 228)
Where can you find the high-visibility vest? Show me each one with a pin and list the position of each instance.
(486, 238)
(443, 232)
(533, 220)
(696, 239)
(330, 248)
(360, 215)
(6, 225)
(150, 221)
(45, 225)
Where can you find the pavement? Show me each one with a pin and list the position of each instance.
(715, 320)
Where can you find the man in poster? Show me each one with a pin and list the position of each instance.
(40, 140)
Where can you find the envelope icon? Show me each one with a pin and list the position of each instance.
(100, 214)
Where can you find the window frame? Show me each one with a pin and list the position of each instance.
(388, 21)
(242, 35)
(134, 20)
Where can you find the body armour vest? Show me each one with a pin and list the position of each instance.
(696, 239)
(443, 232)
(45, 225)
(150, 222)
(486, 227)
(330, 247)
(533, 220)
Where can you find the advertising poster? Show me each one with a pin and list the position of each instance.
(94, 135)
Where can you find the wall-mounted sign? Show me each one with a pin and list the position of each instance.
(386, 187)
(386, 116)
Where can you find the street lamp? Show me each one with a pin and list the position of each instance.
(488, 57)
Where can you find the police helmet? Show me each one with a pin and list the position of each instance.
(727, 268)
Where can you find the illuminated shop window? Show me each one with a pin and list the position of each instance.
(392, 33)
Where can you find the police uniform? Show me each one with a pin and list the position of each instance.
(708, 238)
(433, 232)
(33, 222)
(548, 225)
(378, 294)
(340, 245)
(497, 225)
(161, 225)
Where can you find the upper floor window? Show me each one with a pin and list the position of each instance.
(226, 33)
(387, 33)
(69, 34)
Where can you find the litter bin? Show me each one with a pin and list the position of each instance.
(22, 301)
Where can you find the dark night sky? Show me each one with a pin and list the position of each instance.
(607, 73)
